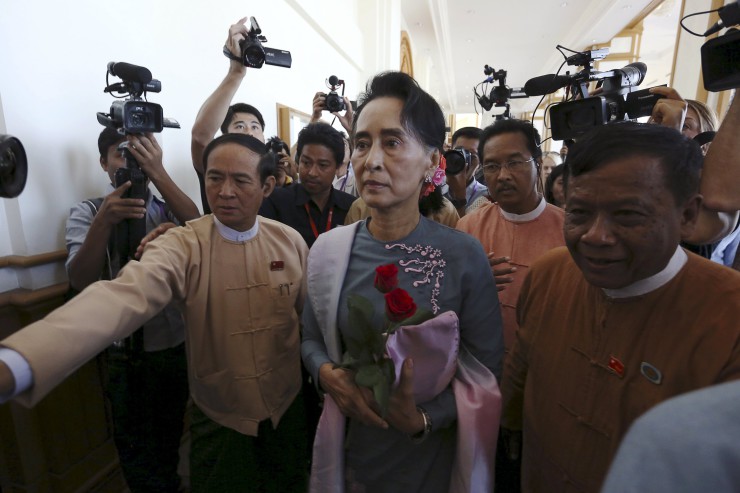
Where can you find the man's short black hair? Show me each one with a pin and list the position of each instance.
(107, 138)
(680, 157)
(421, 115)
(266, 167)
(531, 135)
(466, 132)
(322, 134)
(241, 108)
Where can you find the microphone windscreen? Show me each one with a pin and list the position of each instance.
(130, 72)
(545, 84)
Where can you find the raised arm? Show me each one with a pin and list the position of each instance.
(720, 180)
(214, 109)
(148, 154)
(714, 222)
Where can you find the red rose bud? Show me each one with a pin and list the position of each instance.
(386, 278)
(399, 305)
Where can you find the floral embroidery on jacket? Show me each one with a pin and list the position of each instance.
(430, 265)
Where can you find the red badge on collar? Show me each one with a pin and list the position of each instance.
(616, 366)
(277, 265)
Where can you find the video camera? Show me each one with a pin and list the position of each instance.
(132, 116)
(499, 95)
(581, 112)
(720, 57)
(255, 55)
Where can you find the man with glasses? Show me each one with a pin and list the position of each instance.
(516, 227)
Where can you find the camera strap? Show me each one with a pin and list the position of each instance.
(228, 54)
(704, 137)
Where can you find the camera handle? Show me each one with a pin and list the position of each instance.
(130, 232)
(126, 238)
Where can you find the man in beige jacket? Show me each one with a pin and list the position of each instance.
(240, 280)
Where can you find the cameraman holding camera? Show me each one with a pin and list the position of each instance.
(216, 112)
(464, 190)
(147, 386)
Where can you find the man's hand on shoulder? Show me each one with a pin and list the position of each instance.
(153, 235)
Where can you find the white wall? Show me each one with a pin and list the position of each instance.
(53, 63)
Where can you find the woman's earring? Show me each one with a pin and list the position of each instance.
(428, 179)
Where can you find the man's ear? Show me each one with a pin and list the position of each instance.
(690, 215)
(104, 164)
(268, 186)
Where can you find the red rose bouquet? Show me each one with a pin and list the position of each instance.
(366, 351)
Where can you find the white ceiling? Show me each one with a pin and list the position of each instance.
(452, 40)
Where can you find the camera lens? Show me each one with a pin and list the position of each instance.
(457, 160)
(334, 102)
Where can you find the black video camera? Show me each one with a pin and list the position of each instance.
(457, 160)
(720, 62)
(499, 95)
(720, 57)
(334, 102)
(617, 100)
(255, 55)
(132, 116)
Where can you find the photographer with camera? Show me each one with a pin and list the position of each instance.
(334, 104)
(147, 386)
(216, 111)
(712, 225)
(463, 189)
(285, 167)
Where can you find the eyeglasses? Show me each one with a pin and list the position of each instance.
(517, 165)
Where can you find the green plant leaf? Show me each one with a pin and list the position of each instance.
(389, 370)
(360, 318)
(368, 376)
(382, 393)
